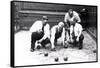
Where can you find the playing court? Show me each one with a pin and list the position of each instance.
(23, 56)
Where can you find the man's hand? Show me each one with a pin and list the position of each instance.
(71, 40)
(72, 22)
(39, 41)
(39, 31)
(77, 39)
(63, 43)
(37, 45)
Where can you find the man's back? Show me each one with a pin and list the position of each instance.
(36, 26)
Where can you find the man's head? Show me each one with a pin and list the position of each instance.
(45, 19)
(61, 25)
(70, 12)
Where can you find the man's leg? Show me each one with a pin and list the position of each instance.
(33, 40)
(74, 41)
(38, 36)
(44, 42)
(81, 41)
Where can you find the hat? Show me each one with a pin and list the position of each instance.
(45, 18)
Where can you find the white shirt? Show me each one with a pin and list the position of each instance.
(77, 29)
(53, 32)
(75, 15)
(37, 27)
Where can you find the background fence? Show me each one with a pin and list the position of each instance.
(25, 13)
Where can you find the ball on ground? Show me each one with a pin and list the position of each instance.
(94, 51)
(65, 58)
(38, 47)
(56, 59)
(45, 54)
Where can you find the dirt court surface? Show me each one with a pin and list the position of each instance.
(23, 56)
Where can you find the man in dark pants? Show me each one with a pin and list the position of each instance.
(40, 33)
(79, 43)
(76, 35)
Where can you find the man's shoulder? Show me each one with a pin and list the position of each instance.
(75, 13)
(78, 24)
(38, 21)
(47, 24)
(54, 27)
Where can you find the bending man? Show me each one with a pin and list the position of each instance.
(57, 31)
(40, 33)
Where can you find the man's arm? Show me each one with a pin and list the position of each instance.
(71, 31)
(77, 17)
(65, 18)
(66, 21)
(79, 20)
(46, 33)
(63, 36)
(53, 32)
(80, 29)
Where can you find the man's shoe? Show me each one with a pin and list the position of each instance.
(32, 50)
(53, 49)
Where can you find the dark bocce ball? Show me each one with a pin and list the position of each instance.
(56, 59)
(38, 47)
(65, 58)
(46, 54)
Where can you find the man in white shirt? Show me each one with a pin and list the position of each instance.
(40, 33)
(76, 35)
(69, 17)
(69, 20)
(57, 31)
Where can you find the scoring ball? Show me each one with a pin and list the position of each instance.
(38, 47)
(46, 54)
(56, 59)
(65, 58)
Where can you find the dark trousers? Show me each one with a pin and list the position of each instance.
(37, 36)
(80, 42)
(34, 37)
(45, 41)
(57, 35)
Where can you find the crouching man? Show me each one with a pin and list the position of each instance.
(40, 33)
(57, 31)
(69, 19)
(76, 35)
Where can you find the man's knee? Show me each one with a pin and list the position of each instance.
(46, 41)
(81, 37)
